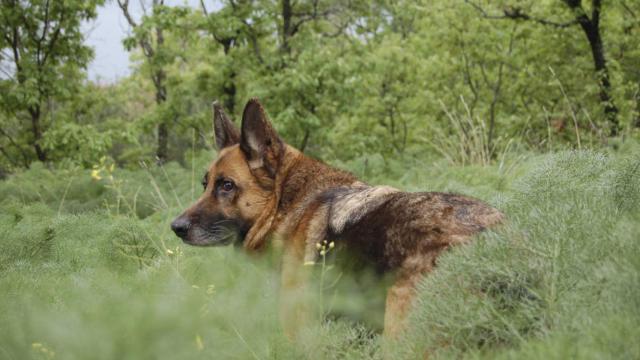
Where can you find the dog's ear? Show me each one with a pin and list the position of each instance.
(258, 140)
(226, 132)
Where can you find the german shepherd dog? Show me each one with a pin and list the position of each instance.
(260, 188)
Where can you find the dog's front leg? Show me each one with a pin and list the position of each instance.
(295, 313)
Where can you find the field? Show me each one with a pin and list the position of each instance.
(90, 270)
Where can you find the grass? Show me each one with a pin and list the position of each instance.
(90, 270)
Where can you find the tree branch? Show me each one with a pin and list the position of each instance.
(147, 49)
(628, 9)
(15, 47)
(596, 5)
(204, 8)
(515, 13)
(45, 29)
(124, 6)
(54, 39)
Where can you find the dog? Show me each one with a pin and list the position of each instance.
(260, 188)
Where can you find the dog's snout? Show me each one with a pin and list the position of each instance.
(181, 226)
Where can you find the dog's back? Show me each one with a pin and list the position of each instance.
(391, 227)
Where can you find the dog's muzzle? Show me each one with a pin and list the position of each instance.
(181, 226)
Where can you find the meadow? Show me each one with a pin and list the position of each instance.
(89, 268)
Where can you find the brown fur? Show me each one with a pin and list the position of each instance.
(279, 191)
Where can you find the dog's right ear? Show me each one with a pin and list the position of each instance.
(226, 132)
(258, 140)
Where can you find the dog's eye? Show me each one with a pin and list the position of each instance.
(227, 185)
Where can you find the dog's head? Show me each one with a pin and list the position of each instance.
(239, 185)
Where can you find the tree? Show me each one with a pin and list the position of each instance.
(149, 36)
(229, 27)
(42, 57)
(591, 28)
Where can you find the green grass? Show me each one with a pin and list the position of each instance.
(90, 270)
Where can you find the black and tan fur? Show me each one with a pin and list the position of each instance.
(259, 188)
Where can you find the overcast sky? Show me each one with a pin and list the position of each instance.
(105, 35)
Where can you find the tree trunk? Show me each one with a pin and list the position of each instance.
(161, 96)
(163, 138)
(162, 128)
(287, 15)
(602, 71)
(37, 133)
(229, 88)
(591, 28)
(305, 140)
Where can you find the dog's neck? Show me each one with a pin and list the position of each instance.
(256, 237)
(298, 179)
(305, 178)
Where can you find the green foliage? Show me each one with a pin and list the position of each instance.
(43, 58)
(403, 79)
(466, 80)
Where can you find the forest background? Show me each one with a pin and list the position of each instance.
(342, 80)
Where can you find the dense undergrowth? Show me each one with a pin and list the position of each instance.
(90, 270)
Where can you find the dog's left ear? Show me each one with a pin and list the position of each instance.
(226, 133)
(258, 140)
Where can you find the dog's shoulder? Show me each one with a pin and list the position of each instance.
(347, 205)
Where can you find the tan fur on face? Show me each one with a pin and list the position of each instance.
(250, 199)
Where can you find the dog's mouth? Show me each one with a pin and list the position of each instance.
(219, 235)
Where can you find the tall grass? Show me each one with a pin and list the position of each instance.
(85, 276)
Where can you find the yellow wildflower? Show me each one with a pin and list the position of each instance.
(95, 174)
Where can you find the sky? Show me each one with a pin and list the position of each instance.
(105, 35)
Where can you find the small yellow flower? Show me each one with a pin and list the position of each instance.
(170, 252)
(331, 245)
(323, 252)
(49, 354)
(95, 174)
(318, 246)
(309, 263)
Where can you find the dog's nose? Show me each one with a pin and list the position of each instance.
(181, 226)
